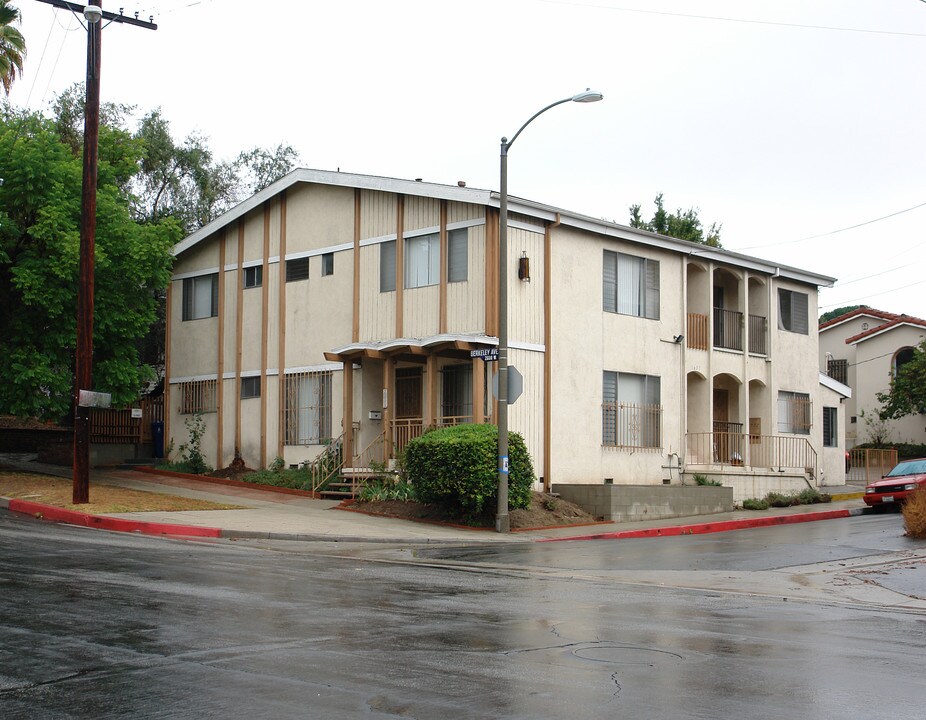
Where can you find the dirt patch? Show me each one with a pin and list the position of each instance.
(11, 422)
(56, 491)
(545, 511)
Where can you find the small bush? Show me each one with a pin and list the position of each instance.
(812, 496)
(191, 456)
(781, 500)
(380, 489)
(914, 514)
(704, 480)
(457, 467)
(755, 504)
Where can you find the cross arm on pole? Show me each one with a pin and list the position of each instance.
(114, 17)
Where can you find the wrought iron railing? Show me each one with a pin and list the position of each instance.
(728, 329)
(758, 335)
(776, 452)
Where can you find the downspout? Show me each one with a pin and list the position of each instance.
(547, 359)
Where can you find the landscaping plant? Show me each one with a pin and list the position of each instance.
(914, 514)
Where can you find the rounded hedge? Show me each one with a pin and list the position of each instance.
(457, 467)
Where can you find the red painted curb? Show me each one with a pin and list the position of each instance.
(72, 517)
(225, 481)
(706, 528)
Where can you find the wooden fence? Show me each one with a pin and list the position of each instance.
(117, 426)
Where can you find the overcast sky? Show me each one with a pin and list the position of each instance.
(785, 121)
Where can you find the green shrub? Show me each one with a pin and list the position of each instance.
(704, 480)
(191, 456)
(457, 467)
(380, 489)
(812, 496)
(755, 504)
(780, 500)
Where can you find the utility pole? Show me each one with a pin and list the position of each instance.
(83, 374)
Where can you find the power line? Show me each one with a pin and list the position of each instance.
(734, 20)
(886, 292)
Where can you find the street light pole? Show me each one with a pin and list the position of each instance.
(502, 522)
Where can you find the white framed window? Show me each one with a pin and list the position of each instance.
(201, 297)
(830, 435)
(307, 415)
(422, 260)
(250, 387)
(792, 311)
(794, 412)
(387, 266)
(631, 413)
(630, 285)
(253, 276)
(458, 255)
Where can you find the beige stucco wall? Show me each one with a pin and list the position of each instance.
(833, 459)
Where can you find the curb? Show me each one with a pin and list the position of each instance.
(724, 526)
(101, 522)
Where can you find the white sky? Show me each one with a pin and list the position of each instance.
(782, 120)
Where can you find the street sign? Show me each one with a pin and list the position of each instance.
(515, 384)
(487, 354)
(88, 398)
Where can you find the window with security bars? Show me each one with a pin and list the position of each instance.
(457, 393)
(307, 412)
(630, 285)
(792, 311)
(838, 370)
(794, 412)
(197, 396)
(631, 413)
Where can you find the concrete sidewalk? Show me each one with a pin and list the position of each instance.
(275, 515)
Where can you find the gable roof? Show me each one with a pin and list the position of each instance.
(859, 312)
(897, 321)
(490, 198)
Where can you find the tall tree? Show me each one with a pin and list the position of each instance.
(682, 224)
(907, 393)
(261, 167)
(12, 45)
(838, 312)
(39, 253)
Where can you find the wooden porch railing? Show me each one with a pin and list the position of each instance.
(778, 452)
(697, 338)
(867, 464)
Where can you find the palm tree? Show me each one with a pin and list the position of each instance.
(12, 45)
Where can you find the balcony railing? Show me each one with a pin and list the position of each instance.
(838, 370)
(728, 329)
(698, 334)
(775, 452)
(758, 335)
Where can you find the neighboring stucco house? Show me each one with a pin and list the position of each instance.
(863, 349)
(331, 300)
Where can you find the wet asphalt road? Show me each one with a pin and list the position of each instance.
(100, 625)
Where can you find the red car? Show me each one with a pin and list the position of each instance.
(894, 487)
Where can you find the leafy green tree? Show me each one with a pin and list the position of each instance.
(12, 45)
(907, 394)
(838, 312)
(260, 167)
(682, 224)
(39, 253)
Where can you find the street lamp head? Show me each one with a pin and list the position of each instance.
(93, 13)
(588, 96)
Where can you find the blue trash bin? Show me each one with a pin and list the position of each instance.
(157, 439)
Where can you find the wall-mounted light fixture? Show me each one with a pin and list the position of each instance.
(524, 267)
(678, 339)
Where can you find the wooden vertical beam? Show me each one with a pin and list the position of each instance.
(389, 393)
(444, 269)
(491, 272)
(239, 324)
(548, 352)
(265, 331)
(167, 333)
(432, 408)
(399, 266)
(355, 328)
(479, 389)
(220, 383)
(281, 351)
(348, 414)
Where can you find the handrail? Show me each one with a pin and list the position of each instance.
(362, 462)
(778, 452)
(327, 464)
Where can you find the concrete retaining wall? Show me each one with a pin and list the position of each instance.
(624, 503)
(753, 483)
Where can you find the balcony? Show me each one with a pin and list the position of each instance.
(728, 329)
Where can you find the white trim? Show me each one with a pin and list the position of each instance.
(881, 321)
(517, 225)
(835, 385)
(193, 378)
(320, 251)
(421, 232)
(891, 325)
(415, 342)
(475, 222)
(378, 240)
(529, 347)
(327, 367)
(195, 273)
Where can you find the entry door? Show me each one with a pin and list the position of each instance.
(723, 443)
(408, 392)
